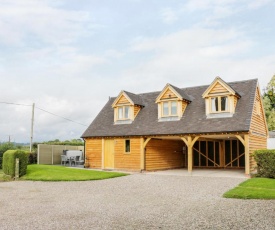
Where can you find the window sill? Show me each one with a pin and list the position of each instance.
(162, 119)
(122, 122)
(219, 115)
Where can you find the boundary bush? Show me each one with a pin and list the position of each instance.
(33, 158)
(9, 162)
(265, 159)
(3, 148)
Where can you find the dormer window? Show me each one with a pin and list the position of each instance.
(169, 108)
(219, 104)
(172, 103)
(220, 99)
(126, 107)
(123, 112)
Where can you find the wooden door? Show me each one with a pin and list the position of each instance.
(109, 154)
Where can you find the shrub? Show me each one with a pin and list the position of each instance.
(33, 158)
(265, 163)
(3, 148)
(9, 162)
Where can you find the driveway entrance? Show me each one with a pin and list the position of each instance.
(236, 173)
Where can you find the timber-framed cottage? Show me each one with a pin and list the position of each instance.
(213, 126)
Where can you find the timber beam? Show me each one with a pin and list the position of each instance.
(146, 142)
(190, 143)
(245, 142)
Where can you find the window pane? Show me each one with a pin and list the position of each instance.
(174, 108)
(120, 112)
(165, 111)
(224, 104)
(127, 146)
(214, 104)
(127, 111)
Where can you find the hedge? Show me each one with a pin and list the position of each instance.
(33, 158)
(9, 162)
(265, 159)
(3, 148)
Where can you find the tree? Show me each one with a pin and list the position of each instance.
(269, 103)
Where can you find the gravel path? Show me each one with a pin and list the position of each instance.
(138, 201)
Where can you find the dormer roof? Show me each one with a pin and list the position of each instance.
(179, 93)
(136, 99)
(219, 86)
(132, 98)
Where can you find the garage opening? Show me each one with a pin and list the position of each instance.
(219, 154)
(163, 154)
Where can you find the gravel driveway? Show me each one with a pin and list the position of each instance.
(138, 201)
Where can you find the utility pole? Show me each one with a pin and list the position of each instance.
(32, 127)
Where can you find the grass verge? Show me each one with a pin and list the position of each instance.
(60, 173)
(255, 188)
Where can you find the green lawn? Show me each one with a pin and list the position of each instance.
(61, 173)
(255, 188)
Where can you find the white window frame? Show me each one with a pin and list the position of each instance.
(123, 112)
(219, 104)
(169, 108)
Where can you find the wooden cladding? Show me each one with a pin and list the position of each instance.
(255, 142)
(123, 100)
(168, 94)
(93, 151)
(258, 124)
(184, 105)
(218, 88)
(136, 110)
(130, 160)
(219, 154)
(164, 154)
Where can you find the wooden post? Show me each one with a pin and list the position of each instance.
(142, 159)
(246, 152)
(190, 142)
(16, 168)
(222, 152)
(190, 155)
(102, 153)
(142, 154)
(245, 142)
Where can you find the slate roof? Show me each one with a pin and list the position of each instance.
(182, 93)
(193, 120)
(135, 98)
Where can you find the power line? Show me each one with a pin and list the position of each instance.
(11, 103)
(60, 116)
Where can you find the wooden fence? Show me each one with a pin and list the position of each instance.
(51, 154)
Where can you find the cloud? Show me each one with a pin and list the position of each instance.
(256, 4)
(188, 55)
(40, 21)
(168, 15)
(112, 53)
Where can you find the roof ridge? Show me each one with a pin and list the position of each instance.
(198, 86)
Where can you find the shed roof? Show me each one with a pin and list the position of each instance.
(193, 121)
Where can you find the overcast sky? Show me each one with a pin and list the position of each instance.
(69, 56)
